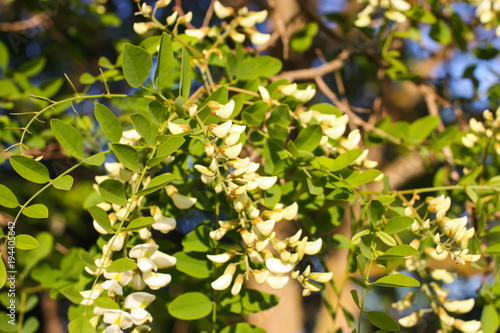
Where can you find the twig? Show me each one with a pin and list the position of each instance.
(20, 26)
(352, 116)
(178, 8)
(312, 73)
(208, 15)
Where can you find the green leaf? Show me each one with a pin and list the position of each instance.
(158, 112)
(102, 218)
(255, 114)
(193, 264)
(490, 321)
(127, 156)
(170, 145)
(139, 223)
(121, 265)
(302, 40)
(345, 159)
(5, 326)
(4, 56)
(36, 211)
(72, 294)
(156, 184)
(88, 260)
(110, 125)
(31, 325)
(397, 224)
(80, 325)
(26, 242)
(137, 64)
(365, 246)
(375, 211)
(30, 169)
(165, 67)
(97, 159)
(198, 240)
(494, 249)
(68, 137)
(242, 328)
(106, 303)
(190, 306)
(3, 274)
(382, 320)
(365, 177)
(440, 32)
(399, 251)
(249, 301)
(397, 280)
(113, 191)
(63, 183)
(309, 138)
(422, 128)
(7, 198)
(386, 238)
(186, 76)
(355, 297)
(143, 127)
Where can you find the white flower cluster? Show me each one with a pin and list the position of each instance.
(394, 11)
(451, 238)
(488, 12)
(147, 257)
(478, 130)
(236, 176)
(141, 28)
(334, 128)
(244, 20)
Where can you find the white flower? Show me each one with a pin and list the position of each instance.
(290, 212)
(222, 130)
(266, 227)
(116, 242)
(276, 282)
(313, 247)
(162, 3)
(199, 34)
(464, 306)
(221, 11)
(221, 258)
(264, 93)
(277, 266)
(224, 281)
(471, 326)
(237, 37)
(443, 275)
(90, 295)
(260, 275)
(177, 129)
(172, 18)
(137, 302)
(129, 137)
(155, 280)
(238, 283)
(141, 28)
(266, 183)
(410, 320)
(469, 140)
(233, 151)
(222, 111)
(352, 140)
(259, 38)
(113, 287)
(117, 317)
(321, 277)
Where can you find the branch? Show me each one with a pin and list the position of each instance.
(19, 26)
(311, 73)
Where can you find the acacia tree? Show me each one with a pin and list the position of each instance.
(217, 169)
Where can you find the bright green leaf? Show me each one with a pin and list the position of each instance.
(186, 76)
(343, 161)
(102, 218)
(139, 223)
(97, 159)
(309, 138)
(68, 137)
(156, 184)
(137, 64)
(397, 224)
(198, 240)
(26, 242)
(242, 328)
(36, 211)
(80, 325)
(110, 124)
(121, 265)
(127, 155)
(190, 306)
(396, 280)
(30, 169)
(113, 191)
(143, 127)
(158, 112)
(7, 198)
(165, 65)
(490, 321)
(382, 320)
(63, 183)
(193, 264)
(399, 251)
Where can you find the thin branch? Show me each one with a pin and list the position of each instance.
(40, 19)
(208, 15)
(312, 73)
